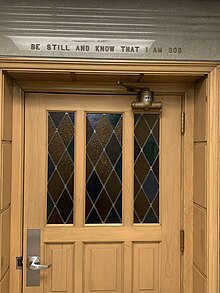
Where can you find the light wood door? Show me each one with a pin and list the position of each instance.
(118, 250)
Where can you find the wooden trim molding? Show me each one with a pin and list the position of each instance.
(118, 66)
(213, 182)
(125, 67)
(17, 189)
(188, 190)
(1, 114)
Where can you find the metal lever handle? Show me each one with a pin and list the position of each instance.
(33, 264)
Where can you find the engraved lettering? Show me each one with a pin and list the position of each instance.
(35, 47)
(175, 50)
(105, 48)
(82, 48)
(158, 50)
(130, 49)
(57, 47)
(113, 48)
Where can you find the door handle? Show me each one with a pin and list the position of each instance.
(33, 276)
(33, 264)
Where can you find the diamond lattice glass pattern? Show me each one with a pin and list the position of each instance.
(103, 168)
(60, 168)
(146, 168)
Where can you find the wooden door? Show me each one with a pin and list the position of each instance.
(103, 186)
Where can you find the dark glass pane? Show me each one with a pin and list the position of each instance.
(50, 204)
(93, 187)
(113, 186)
(56, 148)
(65, 205)
(104, 130)
(151, 186)
(113, 119)
(156, 168)
(141, 131)
(65, 167)
(136, 149)
(146, 168)
(151, 149)
(113, 217)
(94, 119)
(137, 185)
(141, 205)
(104, 168)
(56, 117)
(151, 217)
(70, 218)
(66, 130)
(113, 149)
(60, 167)
(104, 205)
(118, 168)
(55, 186)
(118, 131)
(51, 167)
(151, 120)
(89, 205)
(94, 149)
(141, 168)
(89, 167)
(51, 129)
(156, 205)
(71, 149)
(118, 205)
(54, 217)
(93, 217)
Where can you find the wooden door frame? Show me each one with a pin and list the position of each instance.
(212, 70)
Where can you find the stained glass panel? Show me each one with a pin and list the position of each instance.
(146, 168)
(103, 168)
(60, 168)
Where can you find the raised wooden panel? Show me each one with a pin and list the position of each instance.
(4, 285)
(5, 241)
(6, 174)
(145, 269)
(200, 111)
(199, 238)
(103, 268)
(7, 109)
(199, 192)
(199, 282)
(59, 278)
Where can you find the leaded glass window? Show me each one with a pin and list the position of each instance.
(103, 168)
(60, 167)
(146, 168)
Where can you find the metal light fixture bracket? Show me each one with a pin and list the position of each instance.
(145, 99)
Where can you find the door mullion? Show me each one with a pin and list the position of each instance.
(80, 167)
(127, 168)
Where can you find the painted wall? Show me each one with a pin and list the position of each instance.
(122, 29)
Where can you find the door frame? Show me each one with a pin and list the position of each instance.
(211, 69)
